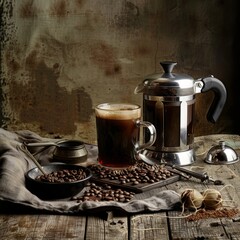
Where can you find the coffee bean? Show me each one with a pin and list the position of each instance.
(63, 176)
(105, 193)
(141, 173)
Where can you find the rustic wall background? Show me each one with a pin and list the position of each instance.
(61, 58)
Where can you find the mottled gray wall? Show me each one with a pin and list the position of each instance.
(60, 58)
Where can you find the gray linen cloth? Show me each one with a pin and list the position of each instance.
(14, 164)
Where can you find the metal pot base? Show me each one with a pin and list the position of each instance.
(176, 158)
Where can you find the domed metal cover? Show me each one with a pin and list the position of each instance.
(221, 154)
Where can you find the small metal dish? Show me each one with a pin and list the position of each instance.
(70, 151)
(66, 151)
(55, 190)
(221, 154)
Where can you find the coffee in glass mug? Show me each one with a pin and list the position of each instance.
(118, 134)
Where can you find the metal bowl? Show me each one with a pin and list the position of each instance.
(65, 151)
(70, 151)
(55, 190)
(221, 154)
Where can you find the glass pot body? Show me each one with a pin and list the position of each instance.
(173, 118)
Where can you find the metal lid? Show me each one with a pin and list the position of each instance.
(221, 154)
(168, 78)
(159, 83)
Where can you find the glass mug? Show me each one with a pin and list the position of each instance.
(118, 134)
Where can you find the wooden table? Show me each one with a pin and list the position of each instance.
(160, 225)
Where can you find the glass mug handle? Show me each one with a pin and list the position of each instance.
(152, 135)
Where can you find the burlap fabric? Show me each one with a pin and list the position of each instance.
(14, 164)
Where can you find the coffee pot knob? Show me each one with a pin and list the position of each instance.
(168, 66)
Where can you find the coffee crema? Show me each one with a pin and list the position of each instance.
(118, 111)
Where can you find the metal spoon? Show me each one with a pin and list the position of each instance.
(25, 150)
(66, 144)
(202, 176)
(41, 144)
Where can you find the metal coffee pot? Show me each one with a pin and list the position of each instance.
(169, 104)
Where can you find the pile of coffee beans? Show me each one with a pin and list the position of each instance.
(63, 176)
(104, 193)
(140, 173)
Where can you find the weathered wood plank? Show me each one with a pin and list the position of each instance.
(149, 226)
(42, 227)
(116, 228)
(95, 227)
(113, 228)
(201, 229)
(64, 227)
(231, 228)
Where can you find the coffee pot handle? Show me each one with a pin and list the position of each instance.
(214, 84)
